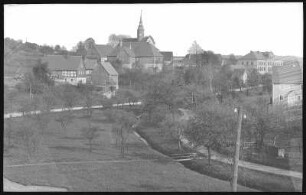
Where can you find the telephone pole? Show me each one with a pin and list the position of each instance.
(236, 162)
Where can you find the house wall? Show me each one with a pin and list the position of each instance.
(280, 92)
(101, 78)
(265, 66)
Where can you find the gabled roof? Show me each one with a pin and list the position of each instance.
(168, 55)
(109, 68)
(287, 74)
(142, 49)
(90, 63)
(58, 62)
(104, 50)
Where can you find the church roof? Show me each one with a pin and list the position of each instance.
(59, 62)
(287, 74)
(142, 49)
(118, 49)
(129, 40)
(104, 50)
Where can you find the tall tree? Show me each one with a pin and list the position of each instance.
(114, 39)
(195, 48)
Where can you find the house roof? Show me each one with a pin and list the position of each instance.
(254, 55)
(287, 74)
(109, 68)
(59, 62)
(118, 49)
(142, 49)
(168, 55)
(104, 50)
(90, 63)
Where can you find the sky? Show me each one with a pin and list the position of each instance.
(223, 28)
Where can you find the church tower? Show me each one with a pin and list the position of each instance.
(140, 30)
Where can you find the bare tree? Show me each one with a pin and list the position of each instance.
(90, 133)
(8, 132)
(29, 137)
(124, 125)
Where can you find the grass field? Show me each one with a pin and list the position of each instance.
(143, 169)
(249, 178)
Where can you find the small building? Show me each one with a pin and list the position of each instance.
(167, 57)
(287, 85)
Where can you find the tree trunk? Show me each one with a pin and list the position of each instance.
(179, 145)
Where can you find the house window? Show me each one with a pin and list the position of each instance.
(242, 63)
(299, 98)
(251, 63)
(280, 97)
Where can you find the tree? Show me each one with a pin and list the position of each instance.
(80, 49)
(11, 97)
(29, 138)
(232, 60)
(42, 73)
(264, 122)
(90, 133)
(86, 92)
(212, 126)
(266, 81)
(114, 39)
(8, 132)
(174, 128)
(64, 119)
(253, 79)
(124, 122)
(195, 48)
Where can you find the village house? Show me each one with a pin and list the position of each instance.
(78, 69)
(178, 61)
(287, 84)
(262, 61)
(138, 52)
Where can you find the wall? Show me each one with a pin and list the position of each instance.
(283, 90)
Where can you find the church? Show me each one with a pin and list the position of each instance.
(139, 52)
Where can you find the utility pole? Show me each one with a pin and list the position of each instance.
(236, 162)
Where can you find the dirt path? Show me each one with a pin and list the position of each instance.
(9, 186)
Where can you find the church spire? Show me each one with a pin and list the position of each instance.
(140, 30)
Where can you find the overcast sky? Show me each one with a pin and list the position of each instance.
(223, 28)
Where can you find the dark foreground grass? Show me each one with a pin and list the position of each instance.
(249, 178)
(142, 169)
